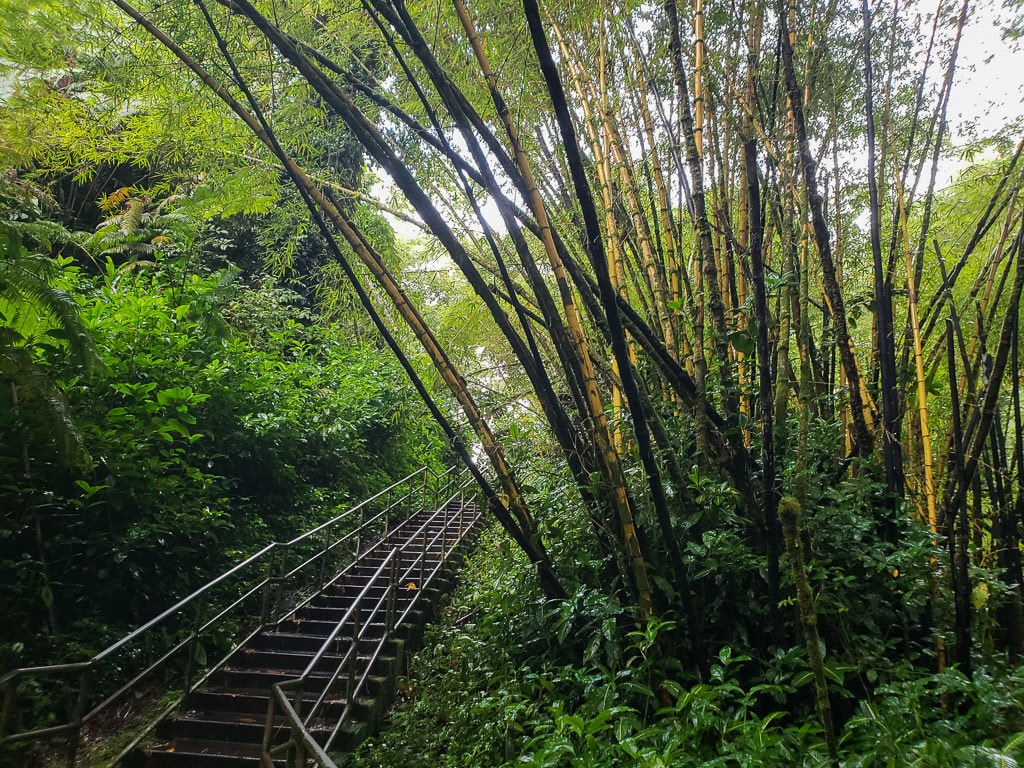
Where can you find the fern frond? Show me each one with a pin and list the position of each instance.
(170, 200)
(46, 233)
(25, 287)
(114, 199)
(33, 388)
(129, 246)
(131, 220)
(128, 267)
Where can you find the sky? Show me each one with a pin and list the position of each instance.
(989, 89)
(988, 94)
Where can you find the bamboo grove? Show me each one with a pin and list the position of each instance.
(712, 240)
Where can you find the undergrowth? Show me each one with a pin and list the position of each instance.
(500, 681)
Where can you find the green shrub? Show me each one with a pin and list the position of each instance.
(223, 417)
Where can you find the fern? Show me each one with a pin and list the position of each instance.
(32, 305)
(31, 308)
(29, 386)
(137, 230)
(114, 199)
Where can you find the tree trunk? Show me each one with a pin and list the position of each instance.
(892, 454)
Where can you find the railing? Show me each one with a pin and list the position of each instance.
(410, 562)
(227, 611)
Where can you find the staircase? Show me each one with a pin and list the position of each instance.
(311, 635)
(340, 640)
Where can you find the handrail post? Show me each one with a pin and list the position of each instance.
(268, 726)
(10, 698)
(300, 753)
(353, 664)
(296, 754)
(326, 546)
(297, 750)
(423, 559)
(395, 575)
(444, 533)
(191, 657)
(357, 540)
(84, 691)
(268, 588)
(279, 585)
(297, 700)
(264, 608)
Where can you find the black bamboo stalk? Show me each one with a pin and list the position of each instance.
(892, 454)
(955, 518)
(766, 411)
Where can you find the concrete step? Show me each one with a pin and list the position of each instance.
(245, 704)
(289, 642)
(322, 629)
(231, 677)
(201, 753)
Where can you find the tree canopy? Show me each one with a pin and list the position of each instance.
(690, 296)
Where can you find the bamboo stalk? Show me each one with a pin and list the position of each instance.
(862, 420)
(920, 378)
(615, 476)
(451, 376)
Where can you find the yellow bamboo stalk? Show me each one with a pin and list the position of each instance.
(915, 325)
(868, 408)
(617, 494)
(602, 153)
(629, 188)
(675, 335)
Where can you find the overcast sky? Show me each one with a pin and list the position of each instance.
(989, 89)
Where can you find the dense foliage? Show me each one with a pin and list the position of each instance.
(733, 371)
(215, 417)
(506, 679)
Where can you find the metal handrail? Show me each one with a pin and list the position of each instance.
(300, 741)
(299, 725)
(418, 490)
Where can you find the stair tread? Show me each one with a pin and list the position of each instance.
(263, 694)
(299, 658)
(208, 747)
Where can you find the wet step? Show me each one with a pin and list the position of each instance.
(222, 726)
(229, 677)
(201, 753)
(323, 629)
(286, 661)
(343, 597)
(292, 642)
(246, 703)
(365, 573)
(308, 645)
(336, 613)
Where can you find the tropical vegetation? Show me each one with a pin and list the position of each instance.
(736, 373)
